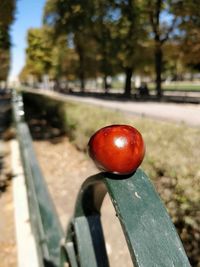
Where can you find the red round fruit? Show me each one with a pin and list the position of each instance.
(117, 149)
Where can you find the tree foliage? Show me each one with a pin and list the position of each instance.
(68, 17)
(38, 53)
(188, 13)
(100, 38)
(7, 10)
(131, 34)
(163, 22)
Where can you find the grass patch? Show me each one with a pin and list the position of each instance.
(172, 159)
(173, 86)
(178, 86)
(172, 150)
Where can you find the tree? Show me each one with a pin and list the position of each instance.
(70, 18)
(38, 52)
(46, 55)
(129, 34)
(70, 63)
(4, 63)
(7, 10)
(115, 27)
(189, 27)
(163, 22)
(103, 30)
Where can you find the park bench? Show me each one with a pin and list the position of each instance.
(150, 234)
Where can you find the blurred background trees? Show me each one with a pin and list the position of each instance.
(39, 52)
(189, 14)
(7, 10)
(87, 40)
(163, 22)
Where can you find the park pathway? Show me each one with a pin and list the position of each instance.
(181, 113)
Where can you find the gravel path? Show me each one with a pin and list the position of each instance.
(65, 169)
(182, 113)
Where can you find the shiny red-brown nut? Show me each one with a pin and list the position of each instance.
(117, 149)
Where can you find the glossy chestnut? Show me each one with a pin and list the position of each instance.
(117, 149)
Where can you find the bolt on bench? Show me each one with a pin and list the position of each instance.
(150, 234)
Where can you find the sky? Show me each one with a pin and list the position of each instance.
(29, 14)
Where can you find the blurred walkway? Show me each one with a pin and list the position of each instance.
(182, 113)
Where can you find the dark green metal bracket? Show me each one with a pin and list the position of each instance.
(150, 234)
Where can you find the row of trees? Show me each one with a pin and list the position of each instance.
(88, 39)
(7, 10)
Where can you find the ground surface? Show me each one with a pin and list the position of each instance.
(65, 169)
(8, 257)
(183, 113)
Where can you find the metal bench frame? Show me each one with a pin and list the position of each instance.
(150, 234)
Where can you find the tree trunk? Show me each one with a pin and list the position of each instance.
(57, 85)
(106, 86)
(82, 80)
(81, 70)
(127, 89)
(158, 69)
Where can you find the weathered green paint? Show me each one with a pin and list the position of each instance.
(90, 242)
(150, 234)
(44, 219)
(50, 230)
(71, 254)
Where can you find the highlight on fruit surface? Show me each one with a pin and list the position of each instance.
(117, 149)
